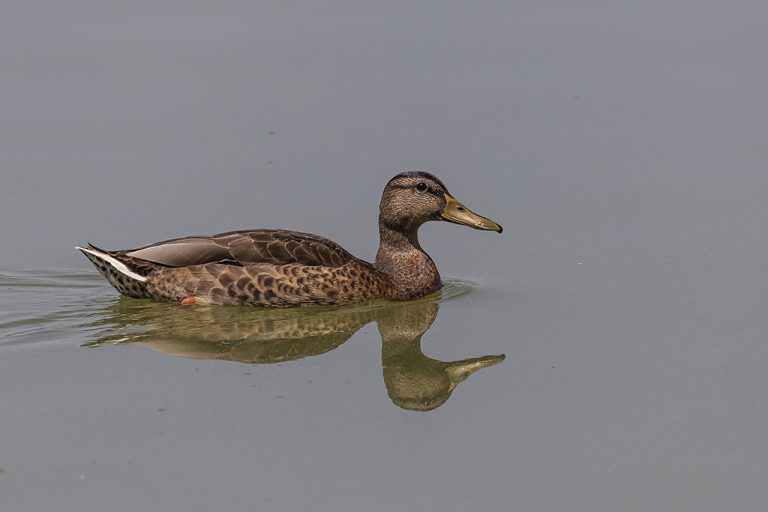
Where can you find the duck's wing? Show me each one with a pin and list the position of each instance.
(273, 246)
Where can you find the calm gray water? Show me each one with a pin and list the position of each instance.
(622, 147)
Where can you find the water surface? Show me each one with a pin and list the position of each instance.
(622, 147)
(240, 334)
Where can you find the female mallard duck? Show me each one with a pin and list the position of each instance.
(278, 268)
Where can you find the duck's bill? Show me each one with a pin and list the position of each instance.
(456, 212)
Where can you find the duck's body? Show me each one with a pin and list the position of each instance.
(280, 268)
(259, 268)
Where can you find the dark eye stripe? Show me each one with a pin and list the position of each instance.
(430, 190)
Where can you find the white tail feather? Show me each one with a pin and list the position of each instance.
(117, 265)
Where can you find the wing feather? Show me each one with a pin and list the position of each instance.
(247, 248)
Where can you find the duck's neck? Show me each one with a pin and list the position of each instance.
(411, 272)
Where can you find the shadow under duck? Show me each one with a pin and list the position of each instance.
(281, 268)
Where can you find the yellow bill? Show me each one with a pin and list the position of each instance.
(456, 212)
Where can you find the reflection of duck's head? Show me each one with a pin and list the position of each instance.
(415, 381)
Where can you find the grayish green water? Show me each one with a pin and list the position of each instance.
(622, 147)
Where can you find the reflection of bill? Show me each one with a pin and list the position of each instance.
(413, 380)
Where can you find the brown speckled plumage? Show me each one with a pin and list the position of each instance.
(280, 268)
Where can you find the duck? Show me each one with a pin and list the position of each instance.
(280, 268)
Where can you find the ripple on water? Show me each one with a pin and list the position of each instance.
(46, 305)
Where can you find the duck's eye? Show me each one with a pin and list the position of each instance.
(421, 186)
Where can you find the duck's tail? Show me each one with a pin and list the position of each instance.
(128, 275)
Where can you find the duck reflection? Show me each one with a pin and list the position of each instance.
(413, 380)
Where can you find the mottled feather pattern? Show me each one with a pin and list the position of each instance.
(122, 283)
(265, 284)
(275, 268)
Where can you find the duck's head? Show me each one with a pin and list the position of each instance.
(414, 197)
